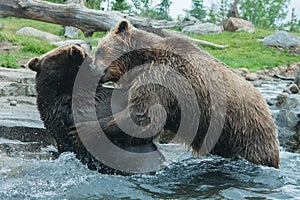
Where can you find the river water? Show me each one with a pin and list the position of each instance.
(184, 177)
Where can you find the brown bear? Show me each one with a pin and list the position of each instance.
(211, 109)
(55, 78)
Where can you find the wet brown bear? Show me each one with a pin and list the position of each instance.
(230, 117)
(55, 78)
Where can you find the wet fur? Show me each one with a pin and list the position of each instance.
(56, 73)
(249, 130)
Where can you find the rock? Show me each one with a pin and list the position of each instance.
(251, 77)
(23, 115)
(28, 150)
(286, 90)
(71, 32)
(189, 20)
(0, 26)
(242, 71)
(21, 130)
(30, 90)
(286, 114)
(236, 25)
(282, 97)
(86, 44)
(282, 69)
(287, 120)
(164, 24)
(281, 72)
(17, 75)
(67, 42)
(295, 50)
(281, 39)
(18, 89)
(17, 82)
(201, 29)
(289, 115)
(37, 33)
(13, 103)
(294, 88)
(297, 79)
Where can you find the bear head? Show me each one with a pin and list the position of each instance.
(57, 69)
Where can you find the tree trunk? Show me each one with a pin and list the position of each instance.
(70, 31)
(77, 15)
(170, 33)
(88, 20)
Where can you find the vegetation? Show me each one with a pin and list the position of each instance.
(163, 9)
(145, 8)
(197, 10)
(264, 13)
(244, 49)
(30, 47)
(120, 5)
(93, 4)
(223, 9)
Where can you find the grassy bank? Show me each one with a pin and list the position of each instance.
(30, 46)
(244, 49)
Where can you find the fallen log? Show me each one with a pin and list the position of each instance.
(77, 15)
(170, 33)
(88, 20)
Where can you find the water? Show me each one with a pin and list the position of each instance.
(209, 177)
(26, 176)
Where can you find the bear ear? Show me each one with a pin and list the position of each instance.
(77, 53)
(33, 64)
(123, 26)
(75, 50)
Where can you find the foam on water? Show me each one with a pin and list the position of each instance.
(208, 177)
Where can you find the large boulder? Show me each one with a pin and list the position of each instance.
(21, 129)
(189, 20)
(71, 32)
(289, 114)
(202, 29)
(85, 44)
(282, 39)
(287, 118)
(236, 25)
(37, 33)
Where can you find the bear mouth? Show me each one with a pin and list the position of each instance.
(112, 85)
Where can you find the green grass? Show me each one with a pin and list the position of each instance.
(244, 50)
(30, 46)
